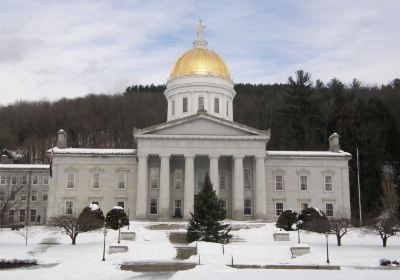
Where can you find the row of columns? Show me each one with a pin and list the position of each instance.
(164, 192)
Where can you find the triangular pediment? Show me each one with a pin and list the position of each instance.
(202, 124)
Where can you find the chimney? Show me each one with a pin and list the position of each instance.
(61, 139)
(334, 145)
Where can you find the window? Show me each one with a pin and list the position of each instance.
(200, 174)
(173, 107)
(121, 181)
(2, 180)
(13, 181)
(154, 177)
(178, 179)
(328, 183)
(70, 180)
(247, 179)
(303, 205)
(223, 179)
(45, 197)
(153, 206)
(22, 215)
(96, 180)
(279, 183)
(303, 182)
(24, 180)
(45, 180)
(222, 203)
(2, 196)
(69, 207)
(184, 105)
(329, 209)
(34, 196)
(247, 207)
(33, 215)
(216, 105)
(35, 180)
(121, 204)
(200, 105)
(278, 209)
(23, 197)
(227, 108)
(11, 216)
(178, 208)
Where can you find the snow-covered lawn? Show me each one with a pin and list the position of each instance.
(254, 245)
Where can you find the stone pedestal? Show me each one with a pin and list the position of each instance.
(281, 236)
(117, 249)
(128, 235)
(299, 250)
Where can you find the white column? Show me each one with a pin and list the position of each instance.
(189, 186)
(238, 202)
(164, 186)
(214, 173)
(260, 191)
(142, 188)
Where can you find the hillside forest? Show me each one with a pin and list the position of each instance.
(301, 114)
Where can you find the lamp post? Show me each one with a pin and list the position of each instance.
(104, 244)
(129, 221)
(119, 230)
(327, 248)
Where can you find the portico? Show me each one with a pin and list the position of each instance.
(175, 166)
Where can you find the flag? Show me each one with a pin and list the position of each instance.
(51, 163)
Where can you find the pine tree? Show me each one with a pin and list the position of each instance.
(205, 223)
(116, 218)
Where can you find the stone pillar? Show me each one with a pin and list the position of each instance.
(142, 188)
(189, 186)
(238, 202)
(164, 187)
(214, 173)
(260, 191)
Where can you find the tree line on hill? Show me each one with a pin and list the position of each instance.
(301, 115)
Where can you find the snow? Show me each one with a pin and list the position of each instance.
(253, 245)
(93, 207)
(118, 207)
(88, 151)
(307, 154)
(25, 166)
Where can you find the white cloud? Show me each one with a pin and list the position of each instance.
(54, 49)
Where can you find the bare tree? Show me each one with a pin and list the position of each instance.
(340, 225)
(91, 218)
(10, 197)
(387, 224)
(69, 223)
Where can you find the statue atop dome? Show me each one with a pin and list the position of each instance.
(200, 42)
(200, 31)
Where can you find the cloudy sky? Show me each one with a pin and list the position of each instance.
(53, 49)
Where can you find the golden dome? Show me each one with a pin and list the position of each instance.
(200, 61)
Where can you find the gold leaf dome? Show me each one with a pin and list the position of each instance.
(200, 61)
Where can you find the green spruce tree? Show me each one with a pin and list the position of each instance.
(205, 223)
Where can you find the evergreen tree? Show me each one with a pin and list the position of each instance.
(313, 219)
(116, 218)
(90, 218)
(205, 223)
(287, 220)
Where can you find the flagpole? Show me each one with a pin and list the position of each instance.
(359, 192)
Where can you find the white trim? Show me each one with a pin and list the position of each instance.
(283, 184)
(325, 190)
(93, 174)
(66, 180)
(125, 180)
(275, 208)
(302, 174)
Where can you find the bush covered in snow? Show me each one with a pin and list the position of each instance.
(90, 218)
(15, 263)
(313, 219)
(287, 220)
(116, 218)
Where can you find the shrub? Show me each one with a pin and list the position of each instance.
(287, 220)
(116, 218)
(313, 219)
(15, 263)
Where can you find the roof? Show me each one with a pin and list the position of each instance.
(37, 167)
(90, 151)
(202, 115)
(310, 154)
